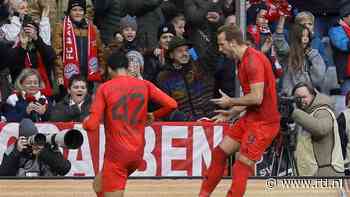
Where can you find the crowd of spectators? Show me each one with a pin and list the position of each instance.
(45, 44)
(53, 53)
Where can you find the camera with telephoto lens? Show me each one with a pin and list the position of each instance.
(70, 139)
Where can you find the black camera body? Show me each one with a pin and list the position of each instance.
(286, 108)
(286, 105)
(37, 139)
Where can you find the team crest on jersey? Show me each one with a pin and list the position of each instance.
(70, 70)
(93, 65)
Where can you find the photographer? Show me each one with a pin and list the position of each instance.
(318, 150)
(26, 159)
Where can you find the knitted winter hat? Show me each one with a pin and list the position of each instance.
(167, 28)
(27, 128)
(73, 3)
(136, 63)
(128, 21)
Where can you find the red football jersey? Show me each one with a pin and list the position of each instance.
(256, 68)
(122, 102)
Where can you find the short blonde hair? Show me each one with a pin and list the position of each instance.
(176, 19)
(24, 74)
(305, 15)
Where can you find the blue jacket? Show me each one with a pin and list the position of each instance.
(341, 50)
(316, 43)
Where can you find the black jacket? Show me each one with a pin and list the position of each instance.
(50, 160)
(47, 53)
(63, 112)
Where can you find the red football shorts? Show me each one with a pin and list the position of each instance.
(254, 137)
(115, 174)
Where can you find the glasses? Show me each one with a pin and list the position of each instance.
(30, 83)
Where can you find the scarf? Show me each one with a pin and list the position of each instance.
(346, 28)
(47, 90)
(70, 53)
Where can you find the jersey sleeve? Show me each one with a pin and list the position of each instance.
(96, 111)
(255, 69)
(167, 103)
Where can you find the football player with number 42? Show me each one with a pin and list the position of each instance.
(122, 101)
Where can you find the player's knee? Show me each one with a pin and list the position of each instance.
(97, 184)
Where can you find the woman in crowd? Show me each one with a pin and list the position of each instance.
(32, 52)
(302, 63)
(75, 106)
(21, 17)
(27, 101)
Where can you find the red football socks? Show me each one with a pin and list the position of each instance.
(216, 170)
(241, 172)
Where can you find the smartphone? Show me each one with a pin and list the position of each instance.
(27, 20)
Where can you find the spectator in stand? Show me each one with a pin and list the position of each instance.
(344, 132)
(187, 83)
(258, 26)
(32, 52)
(204, 17)
(20, 16)
(28, 101)
(155, 61)
(260, 34)
(123, 41)
(128, 33)
(75, 106)
(231, 20)
(148, 13)
(326, 12)
(78, 46)
(340, 37)
(302, 63)
(18, 9)
(308, 20)
(136, 64)
(179, 23)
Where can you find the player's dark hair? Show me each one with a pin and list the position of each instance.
(117, 60)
